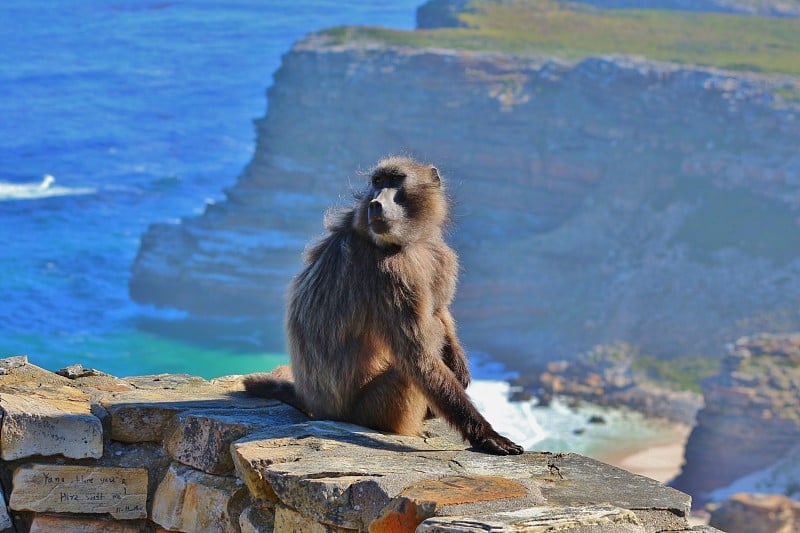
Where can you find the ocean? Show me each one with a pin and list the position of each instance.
(117, 114)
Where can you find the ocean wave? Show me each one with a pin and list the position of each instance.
(515, 420)
(562, 427)
(43, 189)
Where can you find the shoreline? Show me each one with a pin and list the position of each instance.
(616, 435)
(660, 459)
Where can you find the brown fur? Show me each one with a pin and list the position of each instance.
(370, 335)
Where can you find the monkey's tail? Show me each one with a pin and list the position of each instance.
(267, 386)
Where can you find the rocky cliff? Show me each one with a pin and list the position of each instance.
(604, 200)
(85, 451)
(757, 513)
(750, 421)
(612, 376)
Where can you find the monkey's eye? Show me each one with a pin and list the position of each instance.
(387, 175)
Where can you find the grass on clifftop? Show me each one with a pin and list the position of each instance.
(736, 42)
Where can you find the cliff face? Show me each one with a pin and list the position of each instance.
(613, 199)
(751, 417)
(757, 513)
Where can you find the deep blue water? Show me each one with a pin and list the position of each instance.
(141, 111)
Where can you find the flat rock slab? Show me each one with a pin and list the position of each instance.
(590, 519)
(45, 414)
(19, 375)
(348, 477)
(424, 499)
(202, 439)
(575, 480)
(9, 363)
(340, 473)
(77, 370)
(453, 490)
(143, 414)
(47, 523)
(287, 519)
(37, 425)
(120, 492)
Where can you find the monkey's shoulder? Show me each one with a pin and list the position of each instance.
(434, 253)
(348, 252)
(421, 264)
(339, 251)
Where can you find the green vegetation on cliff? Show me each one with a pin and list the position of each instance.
(679, 373)
(736, 42)
(682, 373)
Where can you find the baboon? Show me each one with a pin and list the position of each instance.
(370, 335)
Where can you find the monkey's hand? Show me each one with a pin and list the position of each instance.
(493, 442)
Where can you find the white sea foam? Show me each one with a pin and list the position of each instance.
(515, 420)
(43, 189)
(782, 477)
(561, 427)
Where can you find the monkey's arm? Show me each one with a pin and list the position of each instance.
(418, 357)
(453, 354)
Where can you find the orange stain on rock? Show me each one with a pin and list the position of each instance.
(421, 500)
(464, 489)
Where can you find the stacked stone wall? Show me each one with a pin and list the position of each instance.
(83, 451)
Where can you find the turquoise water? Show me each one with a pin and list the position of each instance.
(117, 114)
(135, 352)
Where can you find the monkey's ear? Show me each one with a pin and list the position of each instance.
(435, 175)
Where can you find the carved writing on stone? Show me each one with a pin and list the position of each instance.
(120, 492)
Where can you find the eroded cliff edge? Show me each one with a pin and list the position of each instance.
(604, 200)
(747, 433)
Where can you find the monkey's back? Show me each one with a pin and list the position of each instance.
(326, 323)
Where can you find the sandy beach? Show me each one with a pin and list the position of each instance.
(660, 460)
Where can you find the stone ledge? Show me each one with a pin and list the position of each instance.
(217, 460)
(565, 519)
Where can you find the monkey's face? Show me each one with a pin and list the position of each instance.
(386, 210)
(404, 203)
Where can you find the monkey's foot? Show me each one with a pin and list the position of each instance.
(498, 445)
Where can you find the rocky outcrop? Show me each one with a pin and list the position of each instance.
(751, 417)
(606, 376)
(757, 513)
(612, 199)
(178, 453)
